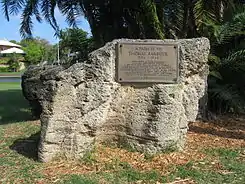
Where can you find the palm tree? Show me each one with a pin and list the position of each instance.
(111, 19)
(107, 19)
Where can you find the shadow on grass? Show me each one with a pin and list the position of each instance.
(13, 107)
(27, 147)
(219, 130)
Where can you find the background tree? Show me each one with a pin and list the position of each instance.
(110, 19)
(14, 62)
(33, 51)
(37, 50)
(14, 41)
(76, 44)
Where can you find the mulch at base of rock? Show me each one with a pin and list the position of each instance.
(219, 134)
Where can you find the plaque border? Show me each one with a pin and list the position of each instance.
(174, 44)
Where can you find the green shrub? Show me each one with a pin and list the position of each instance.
(4, 60)
(226, 87)
(4, 69)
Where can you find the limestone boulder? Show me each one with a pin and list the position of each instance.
(84, 104)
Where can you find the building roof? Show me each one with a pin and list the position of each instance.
(7, 43)
(12, 50)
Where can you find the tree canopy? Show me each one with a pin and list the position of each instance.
(76, 43)
(111, 19)
(38, 50)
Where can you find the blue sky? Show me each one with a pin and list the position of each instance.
(10, 30)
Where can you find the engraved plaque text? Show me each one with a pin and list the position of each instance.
(147, 62)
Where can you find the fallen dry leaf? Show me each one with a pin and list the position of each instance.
(200, 136)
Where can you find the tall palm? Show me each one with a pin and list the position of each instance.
(107, 19)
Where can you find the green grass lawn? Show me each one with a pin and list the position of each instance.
(18, 143)
(7, 86)
(11, 73)
(19, 138)
(14, 108)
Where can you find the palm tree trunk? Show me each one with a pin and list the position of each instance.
(152, 25)
(185, 19)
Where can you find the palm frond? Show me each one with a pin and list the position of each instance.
(203, 12)
(48, 12)
(234, 27)
(173, 18)
(72, 10)
(5, 8)
(225, 97)
(31, 8)
(12, 7)
(235, 57)
(16, 6)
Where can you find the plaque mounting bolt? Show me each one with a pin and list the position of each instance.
(175, 47)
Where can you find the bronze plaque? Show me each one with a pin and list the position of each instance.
(147, 62)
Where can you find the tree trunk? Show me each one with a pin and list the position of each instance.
(152, 25)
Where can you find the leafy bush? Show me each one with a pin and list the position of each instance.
(4, 69)
(14, 65)
(4, 60)
(227, 67)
